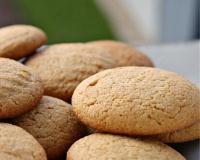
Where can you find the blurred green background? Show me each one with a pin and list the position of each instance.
(66, 20)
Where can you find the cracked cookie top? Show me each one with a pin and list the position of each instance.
(123, 54)
(136, 101)
(18, 41)
(63, 66)
(17, 144)
(54, 125)
(20, 88)
(105, 146)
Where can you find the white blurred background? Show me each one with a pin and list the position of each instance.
(152, 21)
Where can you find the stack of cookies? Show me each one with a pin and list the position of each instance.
(94, 101)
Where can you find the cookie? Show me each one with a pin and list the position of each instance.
(54, 125)
(105, 146)
(136, 101)
(17, 144)
(81, 48)
(62, 68)
(123, 54)
(18, 41)
(187, 134)
(20, 89)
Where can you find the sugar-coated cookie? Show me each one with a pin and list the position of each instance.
(17, 144)
(183, 135)
(123, 54)
(104, 146)
(54, 125)
(20, 88)
(62, 67)
(18, 41)
(136, 101)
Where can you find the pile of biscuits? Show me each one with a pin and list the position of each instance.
(99, 100)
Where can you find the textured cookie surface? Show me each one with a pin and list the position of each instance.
(81, 48)
(105, 146)
(63, 67)
(20, 88)
(18, 41)
(123, 54)
(54, 125)
(136, 101)
(17, 144)
(187, 134)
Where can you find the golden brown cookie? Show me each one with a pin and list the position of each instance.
(105, 146)
(63, 67)
(82, 48)
(187, 134)
(54, 125)
(18, 41)
(123, 54)
(136, 101)
(17, 144)
(20, 88)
